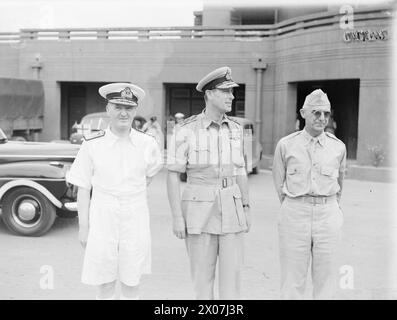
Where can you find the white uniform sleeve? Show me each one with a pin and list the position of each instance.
(153, 158)
(82, 168)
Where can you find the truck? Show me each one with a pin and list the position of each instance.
(21, 108)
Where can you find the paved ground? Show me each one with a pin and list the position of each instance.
(366, 247)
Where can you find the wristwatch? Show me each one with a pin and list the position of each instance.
(246, 206)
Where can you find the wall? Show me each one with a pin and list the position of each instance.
(9, 60)
(149, 64)
(304, 55)
(321, 54)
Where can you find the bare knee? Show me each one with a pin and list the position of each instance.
(107, 290)
(129, 291)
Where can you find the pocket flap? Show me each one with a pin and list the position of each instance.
(329, 171)
(294, 169)
(200, 149)
(198, 194)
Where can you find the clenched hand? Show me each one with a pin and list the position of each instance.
(179, 227)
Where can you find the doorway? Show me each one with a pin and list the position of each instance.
(186, 99)
(344, 98)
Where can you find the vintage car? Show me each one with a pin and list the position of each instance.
(33, 190)
(252, 147)
(94, 122)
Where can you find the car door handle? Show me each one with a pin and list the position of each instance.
(57, 164)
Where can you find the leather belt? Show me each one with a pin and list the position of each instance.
(314, 199)
(224, 182)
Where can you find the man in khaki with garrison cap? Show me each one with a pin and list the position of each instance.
(308, 171)
(213, 212)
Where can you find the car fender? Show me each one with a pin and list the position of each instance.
(32, 184)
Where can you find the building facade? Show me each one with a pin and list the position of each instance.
(277, 56)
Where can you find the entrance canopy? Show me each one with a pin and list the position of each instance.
(21, 104)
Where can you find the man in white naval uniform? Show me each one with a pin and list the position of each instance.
(115, 165)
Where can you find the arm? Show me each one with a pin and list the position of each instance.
(342, 172)
(177, 158)
(241, 172)
(173, 191)
(80, 175)
(242, 182)
(83, 206)
(154, 160)
(278, 171)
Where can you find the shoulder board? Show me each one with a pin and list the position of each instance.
(94, 135)
(235, 121)
(292, 135)
(145, 133)
(188, 120)
(330, 135)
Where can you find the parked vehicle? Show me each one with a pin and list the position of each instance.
(252, 160)
(21, 108)
(97, 121)
(33, 189)
(252, 151)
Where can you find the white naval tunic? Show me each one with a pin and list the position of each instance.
(116, 168)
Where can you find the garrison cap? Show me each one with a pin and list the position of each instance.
(122, 93)
(316, 99)
(220, 78)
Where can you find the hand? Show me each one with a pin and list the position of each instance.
(248, 217)
(148, 180)
(179, 227)
(83, 235)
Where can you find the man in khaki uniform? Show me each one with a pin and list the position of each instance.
(213, 213)
(308, 171)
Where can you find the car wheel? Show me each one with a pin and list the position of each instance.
(27, 212)
(255, 170)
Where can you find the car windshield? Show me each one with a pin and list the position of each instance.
(3, 137)
(95, 123)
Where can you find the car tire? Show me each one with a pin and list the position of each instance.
(255, 170)
(27, 212)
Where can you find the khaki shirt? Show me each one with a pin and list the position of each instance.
(209, 152)
(304, 165)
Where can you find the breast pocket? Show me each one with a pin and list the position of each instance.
(296, 181)
(328, 178)
(329, 172)
(237, 152)
(199, 156)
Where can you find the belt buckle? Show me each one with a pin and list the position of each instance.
(224, 182)
(320, 200)
(312, 200)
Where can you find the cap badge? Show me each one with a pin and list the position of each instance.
(126, 93)
(228, 76)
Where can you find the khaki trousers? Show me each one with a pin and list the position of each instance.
(203, 250)
(308, 232)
